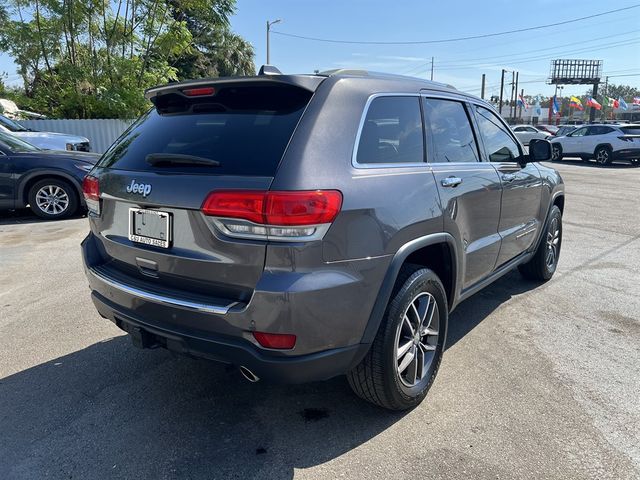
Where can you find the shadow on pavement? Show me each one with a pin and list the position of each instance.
(111, 411)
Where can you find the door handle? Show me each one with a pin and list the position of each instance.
(508, 177)
(451, 181)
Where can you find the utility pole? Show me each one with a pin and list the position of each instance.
(592, 112)
(605, 99)
(269, 30)
(483, 83)
(501, 91)
(513, 83)
(515, 97)
(431, 68)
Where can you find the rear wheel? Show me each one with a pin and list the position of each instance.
(556, 153)
(603, 155)
(404, 358)
(53, 199)
(544, 262)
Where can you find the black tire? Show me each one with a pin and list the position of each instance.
(539, 268)
(603, 155)
(66, 195)
(556, 152)
(377, 378)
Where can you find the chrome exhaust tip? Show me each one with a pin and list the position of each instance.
(248, 374)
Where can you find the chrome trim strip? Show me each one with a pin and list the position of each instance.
(526, 232)
(164, 300)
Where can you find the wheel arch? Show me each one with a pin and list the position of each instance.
(604, 144)
(28, 181)
(437, 252)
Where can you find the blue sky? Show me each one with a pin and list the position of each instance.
(613, 38)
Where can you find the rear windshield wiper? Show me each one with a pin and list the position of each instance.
(160, 159)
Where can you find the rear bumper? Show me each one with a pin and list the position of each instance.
(239, 352)
(326, 309)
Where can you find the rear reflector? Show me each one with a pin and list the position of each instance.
(199, 92)
(91, 192)
(280, 341)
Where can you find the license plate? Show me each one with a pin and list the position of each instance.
(151, 227)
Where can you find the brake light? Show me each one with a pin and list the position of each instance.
(280, 341)
(91, 192)
(283, 215)
(199, 92)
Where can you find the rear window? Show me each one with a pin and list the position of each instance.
(635, 130)
(244, 128)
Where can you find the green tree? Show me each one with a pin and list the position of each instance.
(94, 58)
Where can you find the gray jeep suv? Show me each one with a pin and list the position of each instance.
(301, 227)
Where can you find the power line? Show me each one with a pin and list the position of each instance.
(458, 39)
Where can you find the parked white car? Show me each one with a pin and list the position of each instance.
(526, 133)
(605, 143)
(45, 140)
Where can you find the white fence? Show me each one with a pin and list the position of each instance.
(100, 132)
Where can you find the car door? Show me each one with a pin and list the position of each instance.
(521, 185)
(470, 190)
(596, 135)
(574, 142)
(7, 180)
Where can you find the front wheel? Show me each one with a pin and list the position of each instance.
(403, 360)
(544, 262)
(603, 155)
(53, 199)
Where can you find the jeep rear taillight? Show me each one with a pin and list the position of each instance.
(91, 192)
(273, 215)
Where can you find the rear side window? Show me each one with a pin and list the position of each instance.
(599, 130)
(392, 132)
(635, 130)
(499, 145)
(450, 131)
(245, 129)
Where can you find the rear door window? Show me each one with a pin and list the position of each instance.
(246, 129)
(450, 131)
(391, 132)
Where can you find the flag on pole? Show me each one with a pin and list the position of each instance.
(556, 105)
(623, 104)
(612, 102)
(576, 103)
(636, 100)
(522, 103)
(538, 109)
(591, 102)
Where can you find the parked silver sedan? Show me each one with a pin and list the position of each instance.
(526, 133)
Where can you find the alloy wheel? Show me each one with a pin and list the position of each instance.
(417, 339)
(553, 243)
(602, 156)
(52, 199)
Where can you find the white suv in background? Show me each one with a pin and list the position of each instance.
(45, 140)
(605, 143)
(526, 133)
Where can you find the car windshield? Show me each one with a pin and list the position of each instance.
(12, 125)
(16, 145)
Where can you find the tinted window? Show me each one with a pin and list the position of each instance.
(631, 130)
(392, 132)
(499, 145)
(450, 131)
(245, 128)
(580, 132)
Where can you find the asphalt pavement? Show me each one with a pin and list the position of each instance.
(538, 381)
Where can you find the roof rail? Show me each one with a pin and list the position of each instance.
(269, 70)
(343, 71)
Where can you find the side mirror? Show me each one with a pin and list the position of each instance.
(539, 150)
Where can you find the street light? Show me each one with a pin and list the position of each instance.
(268, 30)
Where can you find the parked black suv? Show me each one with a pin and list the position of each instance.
(49, 182)
(307, 226)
